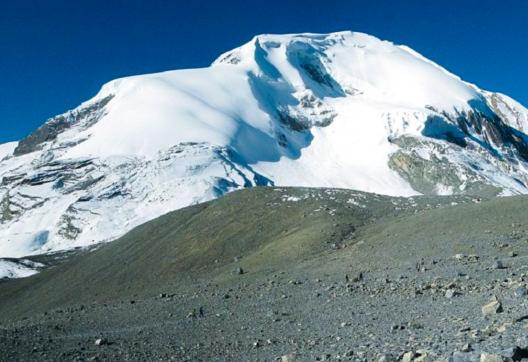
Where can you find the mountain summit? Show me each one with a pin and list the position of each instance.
(326, 110)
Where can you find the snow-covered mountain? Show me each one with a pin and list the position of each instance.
(335, 110)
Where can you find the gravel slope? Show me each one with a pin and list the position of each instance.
(266, 273)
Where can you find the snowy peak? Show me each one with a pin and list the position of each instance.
(326, 110)
(350, 62)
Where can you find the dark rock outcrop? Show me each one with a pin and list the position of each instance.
(52, 128)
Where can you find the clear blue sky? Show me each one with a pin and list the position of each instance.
(56, 54)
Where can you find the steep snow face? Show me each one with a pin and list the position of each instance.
(335, 110)
(231, 103)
